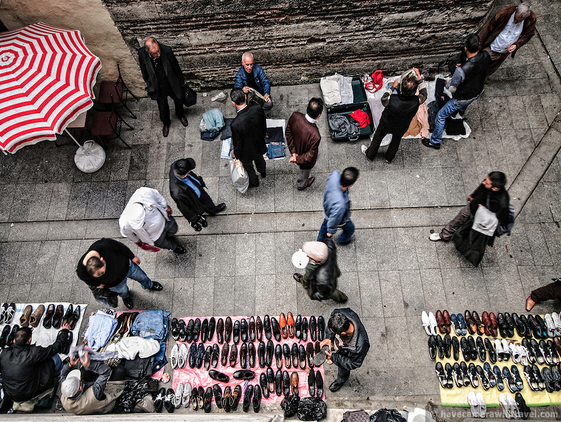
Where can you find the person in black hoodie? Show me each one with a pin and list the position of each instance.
(346, 334)
(491, 194)
(401, 105)
(28, 370)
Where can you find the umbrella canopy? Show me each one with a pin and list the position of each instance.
(47, 76)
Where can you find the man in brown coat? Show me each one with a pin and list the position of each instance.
(303, 138)
(509, 30)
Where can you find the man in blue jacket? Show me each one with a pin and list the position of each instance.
(252, 76)
(337, 207)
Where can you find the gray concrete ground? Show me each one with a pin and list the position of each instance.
(240, 265)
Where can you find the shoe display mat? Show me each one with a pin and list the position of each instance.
(42, 336)
(199, 376)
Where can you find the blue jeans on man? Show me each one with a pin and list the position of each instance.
(136, 273)
(449, 108)
(344, 238)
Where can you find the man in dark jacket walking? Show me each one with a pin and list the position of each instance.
(322, 271)
(187, 190)
(491, 194)
(163, 78)
(347, 336)
(303, 138)
(28, 370)
(248, 136)
(401, 105)
(466, 86)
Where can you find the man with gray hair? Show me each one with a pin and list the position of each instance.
(252, 80)
(163, 78)
(510, 29)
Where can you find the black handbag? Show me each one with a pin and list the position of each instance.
(189, 96)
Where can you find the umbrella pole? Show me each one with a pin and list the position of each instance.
(74, 139)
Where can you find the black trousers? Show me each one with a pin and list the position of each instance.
(381, 131)
(548, 292)
(261, 168)
(207, 202)
(163, 106)
(343, 374)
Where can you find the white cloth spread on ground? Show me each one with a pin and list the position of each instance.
(129, 347)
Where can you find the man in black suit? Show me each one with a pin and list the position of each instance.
(248, 135)
(163, 78)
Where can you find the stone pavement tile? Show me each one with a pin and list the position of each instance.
(244, 295)
(185, 265)
(39, 207)
(519, 247)
(28, 231)
(531, 87)
(449, 257)
(516, 108)
(245, 203)
(26, 262)
(205, 256)
(59, 201)
(346, 256)
(411, 153)
(115, 199)
(245, 255)
(181, 296)
(5, 292)
(210, 161)
(399, 350)
(397, 190)
(20, 292)
(552, 192)
(23, 196)
(433, 289)
(418, 340)
(359, 192)
(63, 292)
(457, 294)
(533, 211)
(45, 260)
(372, 303)
(149, 299)
(377, 188)
(4, 231)
(367, 260)
(392, 297)
(157, 168)
(96, 200)
(534, 111)
(63, 230)
(499, 287)
(139, 159)
(551, 106)
(284, 193)
(536, 239)
(553, 173)
(412, 289)
(225, 252)
(348, 283)
(285, 247)
(119, 163)
(203, 296)
(132, 186)
(501, 111)
(7, 193)
(453, 186)
(42, 291)
(165, 266)
(97, 229)
(427, 256)
(386, 250)
(227, 194)
(266, 299)
(224, 294)
(551, 235)
(476, 293)
(78, 200)
(69, 253)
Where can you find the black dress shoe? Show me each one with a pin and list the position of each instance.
(200, 355)
(227, 329)
(336, 386)
(286, 383)
(302, 356)
(48, 318)
(244, 374)
(491, 350)
(233, 355)
(276, 329)
(426, 142)
(319, 385)
(165, 131)
(251, 331)
(481, 352)
(168, 400)
(263, 384)
(159, 400)
(310, 354)
(271, 379)
(313, 327)
(278, 356)
(12, 334)
(208, 354)
(236, 332)
(294, 353)
(184, 121)
(215, 355)
(217, 395)
(219, 208)
(258, 329)
(224, 354)
(4, 337)
(207, 399)
(447, 346)
(236, 395)
(440, 346)
(321, 328)
(267, 327)
(286, 353)
(298, 326)
(269, 358)
(211, 327)
(180, 250)
(243, 330)
(188, 331)
(201, 395)
(247, 398)
(68, 313)
(193, 355)
(220, 331)
(65, 337)
(127, 301)
(466, 352)
(204, 330)
(243, 355)
(175, 329)
(278, 383)
(304, 329)
(456, 348)
(196, 329)
(471, 343)
(251, 355)
(156, 286)
(261, 354)
(256, 398)
(312, 383)
(57, 317)
(432, 347)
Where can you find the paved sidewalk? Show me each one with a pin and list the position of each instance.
(240, 265)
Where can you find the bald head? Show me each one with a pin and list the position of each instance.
(152, 47)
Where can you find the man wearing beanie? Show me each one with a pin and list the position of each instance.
(187, 190)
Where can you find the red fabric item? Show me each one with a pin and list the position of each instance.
(378, 79)
(148, 247)
(199, 376)
(361, 117)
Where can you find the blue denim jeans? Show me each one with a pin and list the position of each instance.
(136, 273)
(348, 230)
(58, 364)
(449, 108)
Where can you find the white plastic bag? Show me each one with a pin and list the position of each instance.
(240, 178)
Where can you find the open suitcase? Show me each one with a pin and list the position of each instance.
(360, 102)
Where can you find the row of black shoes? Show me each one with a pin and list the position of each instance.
(251, 330)
(548, 378)
(525, 326)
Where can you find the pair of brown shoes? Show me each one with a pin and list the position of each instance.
(443, 321)
(490, 324)
(474, 323)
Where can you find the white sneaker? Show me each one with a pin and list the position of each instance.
(551, 328)
(174, 357)
(473, 404)
(426, 323)
(177, 399)
(363, 148)
(505, 405)
(513, 406)
(523, 355)
(432, 320)
(186, 400)
(499, 350)
(183, 353)
(514, 351)
(435, 237)
(482, 407)
(506, 349)
(557, 322)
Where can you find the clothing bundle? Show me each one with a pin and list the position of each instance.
(211, 124)
(343, 126)
(337, 89)
(275, 143)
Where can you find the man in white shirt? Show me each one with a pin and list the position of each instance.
(506, 32)
(147, 220)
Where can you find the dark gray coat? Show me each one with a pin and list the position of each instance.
(171, 67)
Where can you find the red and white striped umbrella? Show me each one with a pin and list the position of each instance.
(47, 76)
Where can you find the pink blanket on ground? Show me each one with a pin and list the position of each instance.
(199, 376)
